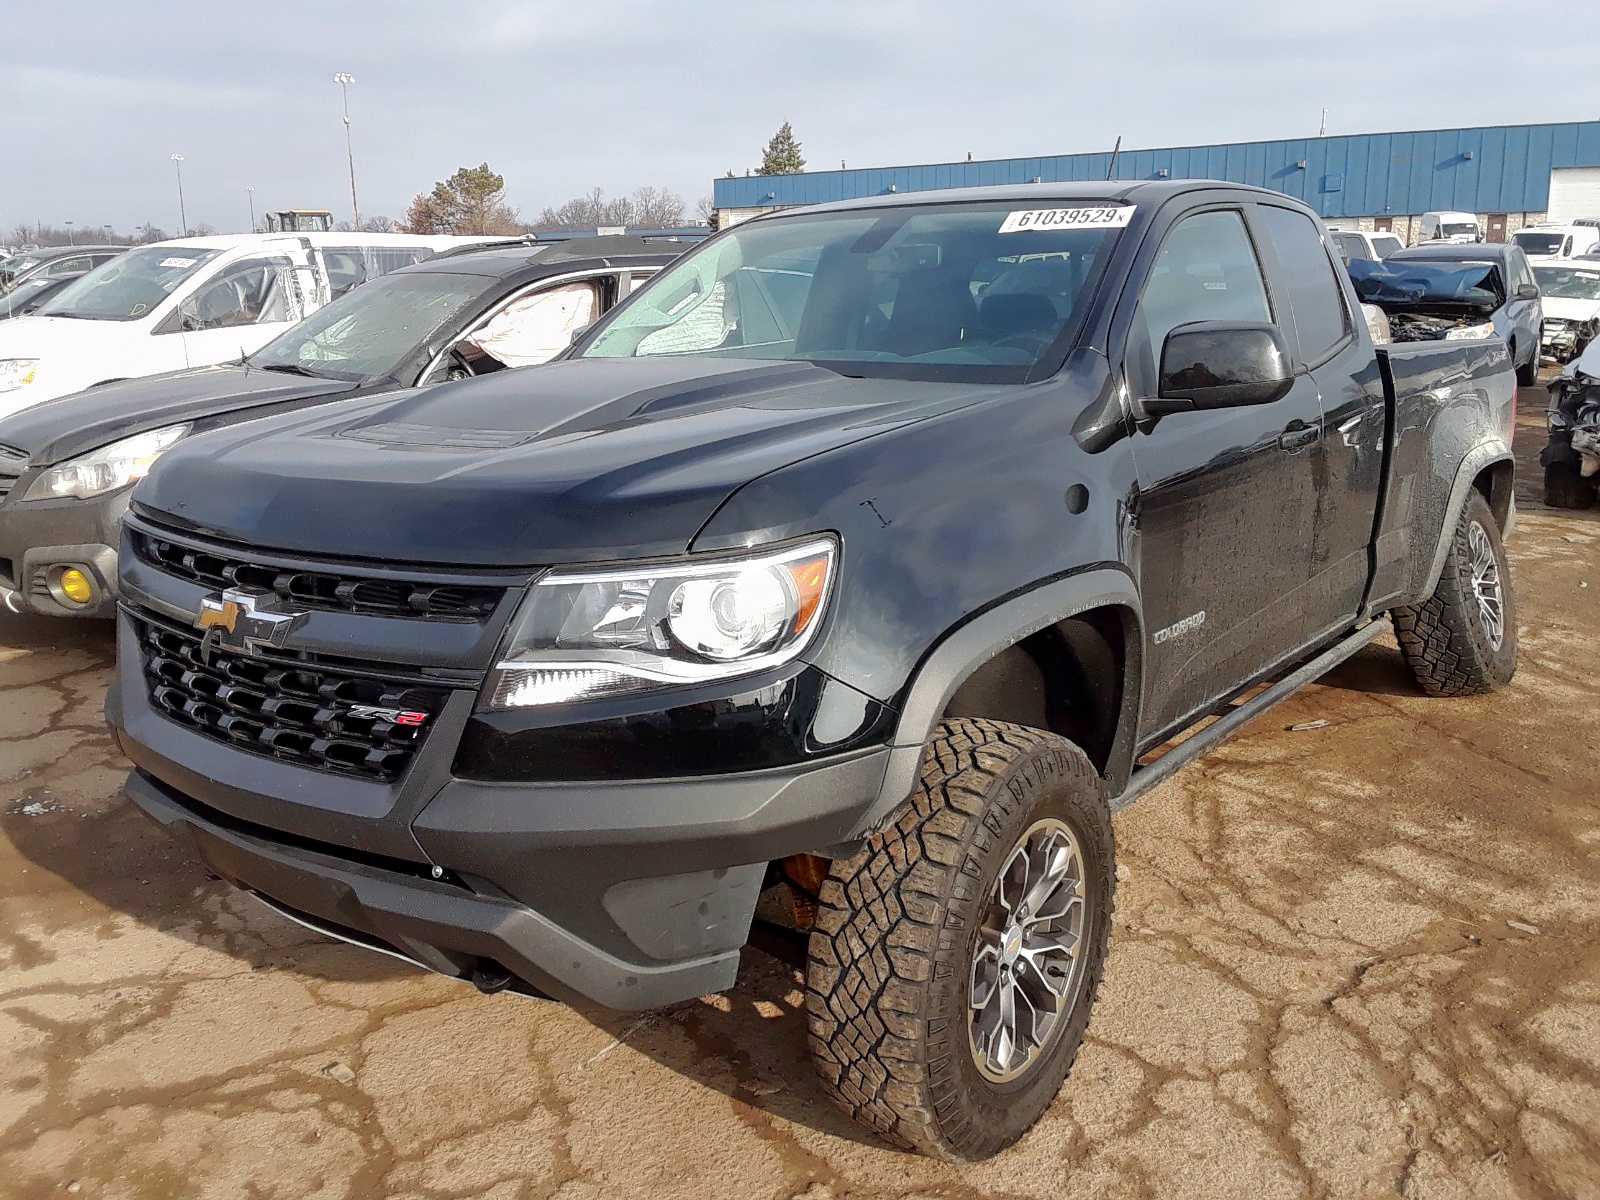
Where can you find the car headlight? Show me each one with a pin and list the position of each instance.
(106, 469)
(1470, 331)
(17, 372)
(584, 635)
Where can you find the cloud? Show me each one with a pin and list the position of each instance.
(560, 96)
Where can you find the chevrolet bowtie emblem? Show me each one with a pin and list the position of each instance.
(243, 619)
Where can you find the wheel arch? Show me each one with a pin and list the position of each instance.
(1065, 657)
(1487, 469)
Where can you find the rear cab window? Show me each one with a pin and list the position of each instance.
(1308, 282)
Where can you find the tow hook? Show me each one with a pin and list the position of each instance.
(490, 977)
(11, 601)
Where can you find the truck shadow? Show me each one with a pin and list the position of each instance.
(748, 1044)
(61, 809)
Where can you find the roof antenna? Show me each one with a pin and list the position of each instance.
(1112, 166)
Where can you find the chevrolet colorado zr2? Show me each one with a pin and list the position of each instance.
(870, 555)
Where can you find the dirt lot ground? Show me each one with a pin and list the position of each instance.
(1359, 959)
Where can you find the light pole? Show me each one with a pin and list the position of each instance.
(344, 79)
(251, 192)
(70, 240)
(183, 216)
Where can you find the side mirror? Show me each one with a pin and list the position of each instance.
(579, 332)
(1221, 364)
(1527, 291)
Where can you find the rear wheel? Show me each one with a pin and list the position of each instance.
(1462, 640)
(956, 958)
(1565, 487)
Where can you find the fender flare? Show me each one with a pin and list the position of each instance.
(970, 645)
(1484, 455)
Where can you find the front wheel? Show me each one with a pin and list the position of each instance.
(1462, 640)
(955, 958)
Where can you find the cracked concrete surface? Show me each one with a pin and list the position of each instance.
(1356, 960)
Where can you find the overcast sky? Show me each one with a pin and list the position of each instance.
(563, 95)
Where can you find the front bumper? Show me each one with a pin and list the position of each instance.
(39, 539)
(632, 893)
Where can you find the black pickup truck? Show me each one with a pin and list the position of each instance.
(865, 561)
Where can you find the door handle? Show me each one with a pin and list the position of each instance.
(1298, 436)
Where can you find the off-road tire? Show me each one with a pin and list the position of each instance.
(1564, 487)
(890, 956)
(1443, 640)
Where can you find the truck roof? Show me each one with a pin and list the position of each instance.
(1152, 191)
(506, 260)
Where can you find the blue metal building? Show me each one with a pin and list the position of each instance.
(1503, 169)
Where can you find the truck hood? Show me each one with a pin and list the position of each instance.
(75, 424)
(1432, 287)
(587, 460)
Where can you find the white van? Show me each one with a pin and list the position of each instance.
(188, 303)
(1356, 243)
(1449, 227)
(1551, 242)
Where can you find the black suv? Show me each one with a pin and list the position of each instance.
(868, 557)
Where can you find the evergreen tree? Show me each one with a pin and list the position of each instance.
(782, 155)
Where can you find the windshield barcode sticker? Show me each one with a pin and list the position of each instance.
(1112, 217)
(177, 262)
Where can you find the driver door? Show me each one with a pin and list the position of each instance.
(239, 310)
(1227, 497)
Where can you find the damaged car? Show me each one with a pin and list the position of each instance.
(1447, 293)
(67, 466)
(1570, 296)
(1571, 456)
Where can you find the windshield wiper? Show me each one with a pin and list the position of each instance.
(286, 368)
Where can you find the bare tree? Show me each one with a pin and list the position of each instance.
(648, 206)
(705, 211)
(53, 235)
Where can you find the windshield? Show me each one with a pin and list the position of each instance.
(1539, 243)
(980, 292)
(1569, 283)
(369, 332)
(130, 285)
(1456, 229)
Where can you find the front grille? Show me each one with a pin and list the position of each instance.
(299, 711)
(331, 590)
(12, 463)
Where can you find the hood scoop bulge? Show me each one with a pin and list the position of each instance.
(409, 435)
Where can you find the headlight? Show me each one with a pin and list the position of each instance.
(586, 635)
(105, 469)
(17, 372)
(1470, 331)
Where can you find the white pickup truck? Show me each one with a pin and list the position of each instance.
(188, 303)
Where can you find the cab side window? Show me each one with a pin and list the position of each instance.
(247, 293)
(1206, 270)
